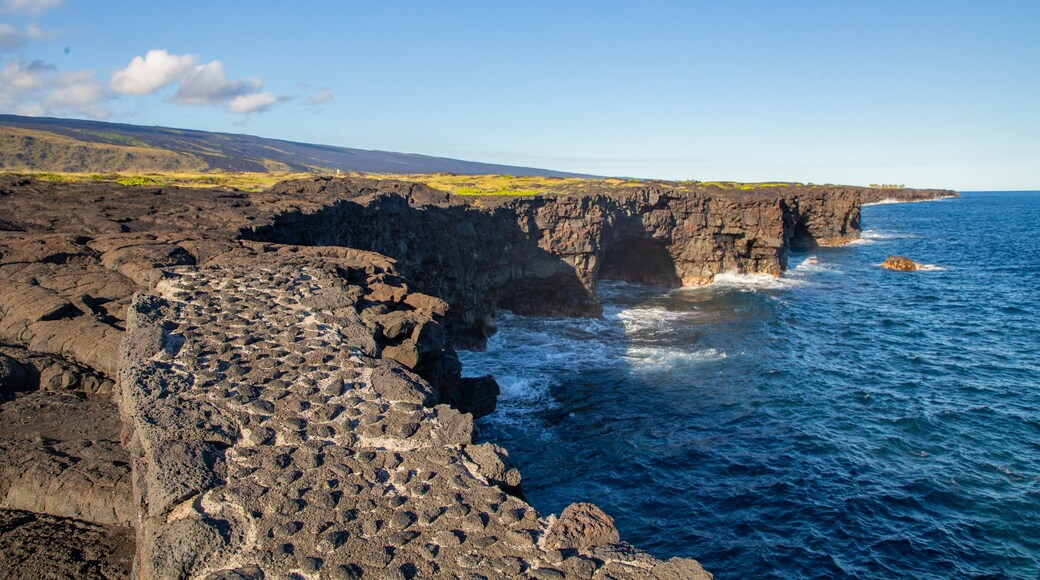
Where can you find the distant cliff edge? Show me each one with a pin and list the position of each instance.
(544, 254)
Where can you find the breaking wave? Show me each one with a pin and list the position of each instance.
(891, 201)
(837, 421)
(754, 281)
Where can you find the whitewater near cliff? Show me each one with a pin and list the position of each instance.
(838, 421)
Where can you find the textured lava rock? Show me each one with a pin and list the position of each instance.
(543, 255)
(900, 263)
(13, 376)
(281, 396)
(581, 526)
(41, 546)
(347, 463)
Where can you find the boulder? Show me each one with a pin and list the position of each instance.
(475, 395)
(13, 376)
(900, 264)
(581, 526)
(681, 569)
(492, 462)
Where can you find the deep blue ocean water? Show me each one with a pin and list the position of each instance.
(842, 421)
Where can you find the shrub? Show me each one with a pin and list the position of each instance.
(136, 180)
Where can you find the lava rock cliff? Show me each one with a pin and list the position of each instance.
(221, 384)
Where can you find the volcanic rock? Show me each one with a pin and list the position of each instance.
(13, 376)
(581, 526)
(288, 399)
(901, 264)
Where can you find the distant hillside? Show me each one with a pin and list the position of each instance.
(48, 144)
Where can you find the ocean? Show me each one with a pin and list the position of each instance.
(840, 421)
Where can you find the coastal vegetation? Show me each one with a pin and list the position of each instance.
(497, 185)
(466, 185)
(243, 181)
(71, 151)
(741, 186)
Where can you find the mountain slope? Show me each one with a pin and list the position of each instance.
(49, 144)
(28, 149)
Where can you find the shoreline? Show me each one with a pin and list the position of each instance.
(889, 201)
(227, 441)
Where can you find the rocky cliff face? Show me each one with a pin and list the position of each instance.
(544, 255)
(214, 373)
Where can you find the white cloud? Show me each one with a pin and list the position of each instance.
(18, 77)
(30, 110)
(319, 98)
(77, 89)
(197, 84)
(147, 74)
(12, 38)
(28, 6)
(36, 88)
(253, 103)
(207, 84)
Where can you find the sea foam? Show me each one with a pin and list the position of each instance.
(754, 281)
(875, 236)
(656, 358)
(889, 200)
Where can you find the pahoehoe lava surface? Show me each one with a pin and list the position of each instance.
(266, 383)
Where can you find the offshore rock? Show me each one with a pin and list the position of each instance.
(901, 264)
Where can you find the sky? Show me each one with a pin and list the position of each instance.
(927, 93)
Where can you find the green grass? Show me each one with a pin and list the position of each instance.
(477, 191)
(58, 177)
(244, 181)
(136, 180)
(738, 185)
(462, 185)
(116, 138)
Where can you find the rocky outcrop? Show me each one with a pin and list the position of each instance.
(901, 264)
(34, 545)
(80, 479)
(545, 254)
(268, 440)
(902, 194)
(23, 370)
(66, 507)
(289, 400)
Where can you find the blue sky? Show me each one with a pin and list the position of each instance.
(926, 93)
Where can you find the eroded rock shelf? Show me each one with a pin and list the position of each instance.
(213, 384)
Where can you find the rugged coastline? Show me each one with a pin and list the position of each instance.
(544, 254)
(287, 397)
